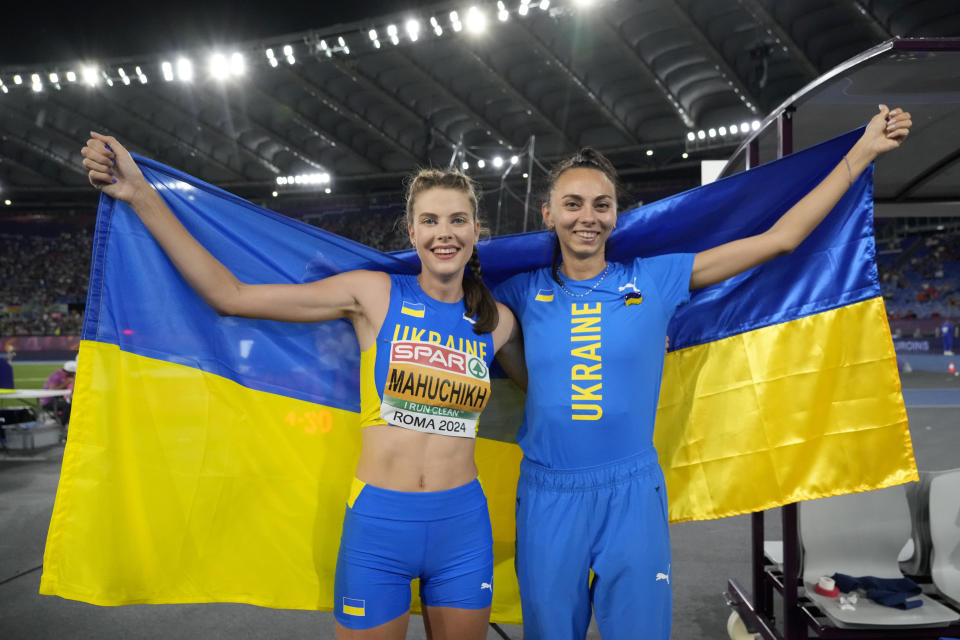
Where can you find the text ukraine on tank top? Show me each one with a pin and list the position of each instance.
(427, 371)
(594, 352)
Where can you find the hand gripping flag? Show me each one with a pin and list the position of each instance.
(210, 458)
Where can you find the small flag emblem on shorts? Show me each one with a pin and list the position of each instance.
(353, 607)
(415, 309)
(544, 295)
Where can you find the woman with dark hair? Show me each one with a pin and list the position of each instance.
(415, 509)
(591, 494)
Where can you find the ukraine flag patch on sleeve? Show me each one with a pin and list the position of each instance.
(544, 295)
(415, 309)
(354, 607)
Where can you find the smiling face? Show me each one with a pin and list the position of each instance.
(443, 230)
(583, 211)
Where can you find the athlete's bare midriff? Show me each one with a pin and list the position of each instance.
(405, 460)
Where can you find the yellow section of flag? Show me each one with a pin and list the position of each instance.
(795, 411)
(183, 486)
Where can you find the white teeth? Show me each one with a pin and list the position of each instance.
(444, 251)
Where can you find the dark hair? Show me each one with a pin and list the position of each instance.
(476, 295)
(586, 158)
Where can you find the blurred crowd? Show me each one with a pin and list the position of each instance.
(44, 278)
(43, 282)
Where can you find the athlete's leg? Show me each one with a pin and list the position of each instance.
(448, 623)
(631, 591)
(553, 546)
(456, 586)
(375, 565)
(395, 629)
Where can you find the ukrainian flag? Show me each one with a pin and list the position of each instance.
(415, 309)
(210, 458)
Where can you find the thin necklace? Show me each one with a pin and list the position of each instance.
(588, 291)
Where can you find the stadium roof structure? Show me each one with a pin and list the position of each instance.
(655, 84)
(920, 75)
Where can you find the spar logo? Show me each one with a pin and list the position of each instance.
(477, 368)
(432, 355)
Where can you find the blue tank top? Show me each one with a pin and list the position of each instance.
(427, 370)
(594, 361)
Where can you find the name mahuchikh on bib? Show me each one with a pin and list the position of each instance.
(435, 389)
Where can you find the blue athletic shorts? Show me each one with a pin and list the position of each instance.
(391, 537)
(611, 519)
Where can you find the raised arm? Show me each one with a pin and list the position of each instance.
(885, 131)
(508, 344)
(347, 295)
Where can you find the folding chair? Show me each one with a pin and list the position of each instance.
(861, 534)
(945, 533)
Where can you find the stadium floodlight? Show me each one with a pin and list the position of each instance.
(413, 29)
(476, 20)
(123, 76)
(373, 35)
(238, 65)
(502, 14)
(481, 164)
(288, 54)
(274, 194)
(327, 190)
(17, 80)
(497, 162)
(734, 129)
(755, 125)
(167, 70)
(7, 202)
(722, 131)
(54, 78)
(691, 136)
(649, 152)
(684, 155)
(35, 83)
(90, 76)
(701, 134)
(184, 70)
(583, 3)
(514, 159)
(141, 76)
(219, 69)
(271, 58)
(525, 175)
(71, 76)
(523, 9)
(711, 132)
(455, 21)
(464, 165)
(4, 89)
(341, 41)
(544, 5)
